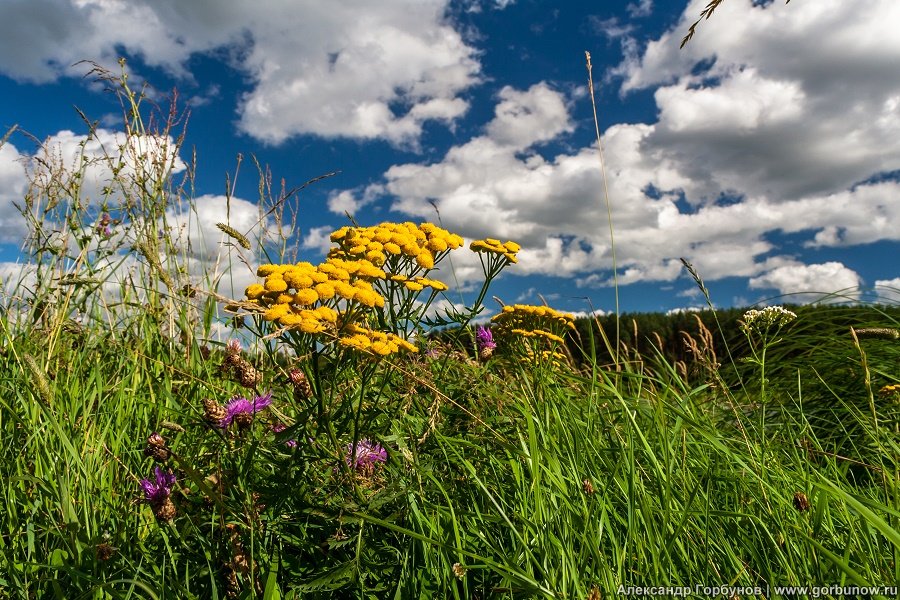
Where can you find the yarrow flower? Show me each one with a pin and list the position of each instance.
(367, 455)
(157, 492)
(762, 320)
(241, 410)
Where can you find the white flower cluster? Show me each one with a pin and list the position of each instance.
(762, 320)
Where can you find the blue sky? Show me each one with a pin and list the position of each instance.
(766, 152)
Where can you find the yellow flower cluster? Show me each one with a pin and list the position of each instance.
(491, 246)
(291, 292)
(375, 342)
(538, 333)
(532, 318)
(417, 284)
(422, 243)
(540, 326)
(890, 390)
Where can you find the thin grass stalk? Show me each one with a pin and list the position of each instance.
(612, 239)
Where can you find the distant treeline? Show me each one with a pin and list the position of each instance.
(678, 337)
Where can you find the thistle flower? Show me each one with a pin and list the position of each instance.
(484, 340)
(367, 455)
(157, 494)
(242, 410)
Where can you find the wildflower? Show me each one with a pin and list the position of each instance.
(761, 320)
(278, 428)
(241, 410)
(459, 571)
(105, 551)
(491, 246)
(156, 447)
(157, 494)
(484, 340)
(367, 455)
(889, 390)
(103, 227)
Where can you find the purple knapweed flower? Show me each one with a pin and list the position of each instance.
(484, 338)
(103, 227)
(367, 455)
(158, 491)
(278, 428)
(242, 410)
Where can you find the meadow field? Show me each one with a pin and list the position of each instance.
(339, 431)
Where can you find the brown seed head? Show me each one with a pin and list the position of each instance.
(459, 570)
(164, 510)
(801, 502)
(213, 411)
(156, 448)
(588, 487)
(243, 420)
(302, 388)
(105, 551)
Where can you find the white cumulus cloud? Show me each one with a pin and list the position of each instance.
(810, 283)
(352, 69)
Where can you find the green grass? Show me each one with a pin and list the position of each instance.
(505, 478)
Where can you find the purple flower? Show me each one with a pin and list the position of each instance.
(367, 455)
(242, 406)
(103, 227)
(484, 338)
(156, 492)
(278, 428)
